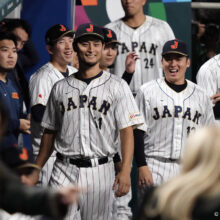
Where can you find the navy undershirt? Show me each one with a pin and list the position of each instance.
(87, 81)
(177, 88)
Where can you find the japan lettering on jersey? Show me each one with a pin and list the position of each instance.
(171, 116)
(88, 117)
(147, 41)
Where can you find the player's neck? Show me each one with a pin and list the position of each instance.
(3, 76)
(86, 72)
(59, 67)
(135, 21)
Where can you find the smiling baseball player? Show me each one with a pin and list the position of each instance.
(172, 107)
(85, 115)
(146, 36)
(59, 40)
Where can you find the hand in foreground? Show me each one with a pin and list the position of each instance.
(122, 183)
(145, 177)
(215, 98)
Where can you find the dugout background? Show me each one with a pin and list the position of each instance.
(42, 14)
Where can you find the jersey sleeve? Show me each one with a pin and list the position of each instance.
(209, 118)
(205, 79)
(144, 108)
(40, 88)
(51, 119)
(126, 111)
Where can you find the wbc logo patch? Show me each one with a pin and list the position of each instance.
(15, 95)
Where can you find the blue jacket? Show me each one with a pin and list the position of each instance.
(9, 95)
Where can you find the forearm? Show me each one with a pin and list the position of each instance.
(127, 147)
(46, 147)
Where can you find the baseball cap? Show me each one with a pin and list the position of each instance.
(175, 46)
(17, 158)
(89, 29)
(57, 31)
(110, 36)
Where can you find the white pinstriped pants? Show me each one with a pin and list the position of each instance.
(96, 203)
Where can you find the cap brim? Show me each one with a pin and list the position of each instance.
(90, 34)
(28, 165)
(113, 42)
(66, 33)
(175, 52)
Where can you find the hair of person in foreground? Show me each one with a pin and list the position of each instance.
(199, 178)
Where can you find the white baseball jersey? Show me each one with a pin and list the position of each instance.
(40, 86)
(208, 76)
(88, 119)
(147, 40)
(171, 116)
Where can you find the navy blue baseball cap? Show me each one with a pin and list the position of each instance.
(110, 36)
(17, 158)
(175, 46)
(89, 29)
(57, 31)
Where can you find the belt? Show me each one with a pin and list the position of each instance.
(81, 162)
(165, 160)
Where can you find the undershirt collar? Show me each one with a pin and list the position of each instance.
(177, 88)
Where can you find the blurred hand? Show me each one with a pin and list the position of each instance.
(145, 177)
(25, 126)
(130, 62)
(215, 98)
(122, 183)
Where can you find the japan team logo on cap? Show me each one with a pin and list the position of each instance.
(109, 35)
(90, 29)
(62, 28)
(175, 45)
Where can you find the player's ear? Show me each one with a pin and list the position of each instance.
(144, 2)
(49, 49)
(188, 62)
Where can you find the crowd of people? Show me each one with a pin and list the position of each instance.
(107, 94)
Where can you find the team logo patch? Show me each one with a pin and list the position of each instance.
(90, 29)
(24, 154)
(40, 96)
(62, 28)
(109, 35)
(134, 116)
(15, 95)
(175, 45)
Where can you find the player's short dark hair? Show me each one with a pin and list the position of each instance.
(8, 36)
(9, 24)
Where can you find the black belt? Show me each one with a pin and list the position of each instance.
(81, 162)
(165, 160)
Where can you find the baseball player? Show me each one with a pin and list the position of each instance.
(208, 77)
(59, 40)
(146, 36)
(172, 107)
(85, 114)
